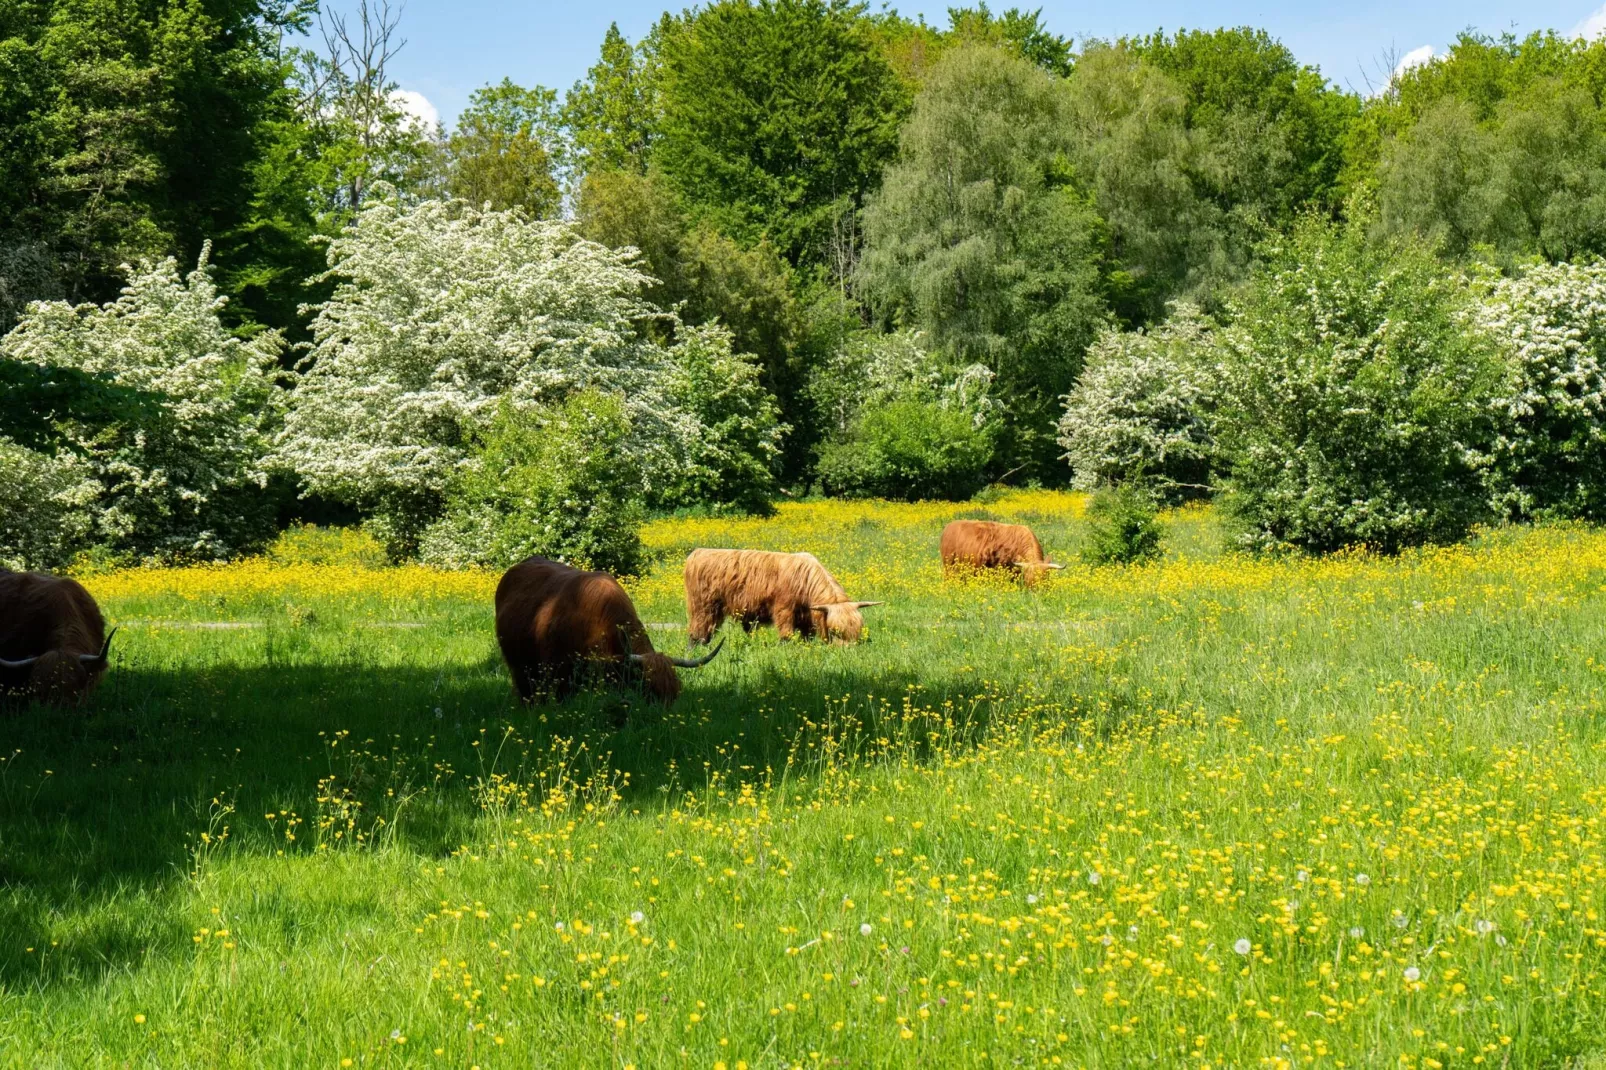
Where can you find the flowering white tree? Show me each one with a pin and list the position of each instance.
(47, 506)
(181, 470)
(440, 313)
(1549, 457)
(1141, 407)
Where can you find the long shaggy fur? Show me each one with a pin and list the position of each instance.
(54, 619)
(984, 544)
(555, 624)
(764, 587)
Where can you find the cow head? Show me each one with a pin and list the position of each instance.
(659, 678)
(59, 678)
(841, 622)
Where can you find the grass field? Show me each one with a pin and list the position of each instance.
(1215, 812)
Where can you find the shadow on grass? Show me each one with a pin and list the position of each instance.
(109, 804)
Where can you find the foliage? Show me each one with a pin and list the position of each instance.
(908, 450)
(440, 311)
(1015, 29)
(182, 472)
(1142, 408)
(1273, 131)
(1500, 143)
(1354, 406)
(902, 424)
(507, 149)
(697, 272)
(775, 117)
(1123, 526)
(47, 507)
(130, 131)
(732, 460)
(613, 112)
(555, 480)
(979, 237)
(1550, 454)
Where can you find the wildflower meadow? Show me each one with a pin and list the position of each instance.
(1213, 811)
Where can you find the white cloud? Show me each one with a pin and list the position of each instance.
(1417, 57)
(416, 105)
(1592, 27)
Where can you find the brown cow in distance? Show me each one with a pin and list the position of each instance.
(984, 545)
(53, 641)
(794, 592)
(554, 622)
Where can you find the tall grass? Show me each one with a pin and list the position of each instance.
(1210, 812)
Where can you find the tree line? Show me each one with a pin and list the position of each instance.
(773, 246)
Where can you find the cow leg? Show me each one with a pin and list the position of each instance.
(785, 621)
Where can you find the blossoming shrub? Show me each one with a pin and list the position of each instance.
(1550, 455)
(905, 426)
(1355, 407)
(181, 468)
(1141, 409)
(730, 461)
(442, 312)
(47, 507)
(558, 481)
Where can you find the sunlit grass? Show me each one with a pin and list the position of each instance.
(1213, 812)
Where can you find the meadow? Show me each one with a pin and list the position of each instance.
(1217, 811)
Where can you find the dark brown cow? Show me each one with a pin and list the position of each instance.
(53, 641)
(983, 544)
(555, 622)
(794, 592)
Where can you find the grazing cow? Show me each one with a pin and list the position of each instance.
(794, 592)
(983, 544)
(53, 641)
(554, 622)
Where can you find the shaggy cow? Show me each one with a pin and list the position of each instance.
(983, 544)
(53, 641)
(554, 622)
(794, 592)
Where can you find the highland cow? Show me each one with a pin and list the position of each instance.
(794, 592)
(556, 625)
(53, 641)
(981, 545)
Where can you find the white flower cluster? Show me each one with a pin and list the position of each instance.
(439, 311)
(1141, 406)
(46, 506)
(200, 403)
(1548, 457)
(442, 311)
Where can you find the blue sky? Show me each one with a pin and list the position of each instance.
(455, 46)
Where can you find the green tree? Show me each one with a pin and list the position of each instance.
(612, 112)
(704, 274)
(775, 117)
(1015, 29)
(130, 130)
(1275, 129)
(980, 237)
(506, 149)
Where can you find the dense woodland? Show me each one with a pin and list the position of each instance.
(778, 248)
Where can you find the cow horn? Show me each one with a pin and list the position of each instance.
(21, 663)
(1039, 564)
(97, 661)
(867, 605)
(696, 663)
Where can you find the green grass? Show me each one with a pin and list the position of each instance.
(1057, 812)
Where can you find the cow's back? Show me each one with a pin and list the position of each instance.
(39, 613)
(750, 581)
(548, 612)
(988, 544)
